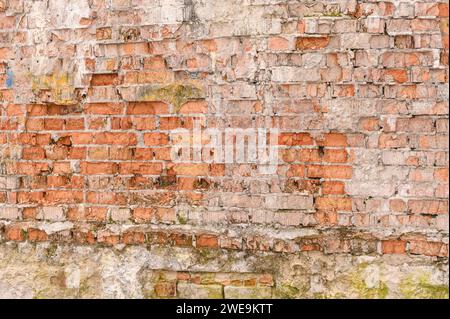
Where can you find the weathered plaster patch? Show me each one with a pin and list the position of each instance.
(176, 93)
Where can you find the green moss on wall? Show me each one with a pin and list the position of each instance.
(420, 287)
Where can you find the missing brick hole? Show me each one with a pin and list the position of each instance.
(321, 150)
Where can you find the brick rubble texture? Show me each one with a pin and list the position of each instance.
(93, 206)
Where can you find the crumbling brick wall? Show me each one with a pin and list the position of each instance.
(94, 92)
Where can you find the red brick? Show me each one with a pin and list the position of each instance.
(194, 107)
(428, 207)
(329, 171)
(104, 108)
(278, 44)
(154, 63)
(295, 139)
(312, 43)
(37, 235)
(207, 241)
(104, 79)
(333, 203)
(165, 289)
(191, 169)
(63, 197)
(398, 75)
(156, 139)
(33, 153)
(397, 205)
(103, 33)
(6, 53)
(388, 140)
(133, 238)
(441, 174)
(333, 188)
(115, 138)
(98, 168)
(144, 123)
(428, 248)
(180, 239)
(140, 168)
(393, 247)
(333, 140)
(15, 233)
(335, 156)
(147, 108)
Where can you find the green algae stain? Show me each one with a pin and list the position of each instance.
(182, 220)
(419, 287)
(50, 252)
(332, 14)
(286, 291)
(41, 294)
(176, 94)
(358, 284)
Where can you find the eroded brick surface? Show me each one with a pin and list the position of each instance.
(94, 95)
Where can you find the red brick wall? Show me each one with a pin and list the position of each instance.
(92, 93)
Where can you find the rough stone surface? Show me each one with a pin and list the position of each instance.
(96, 94)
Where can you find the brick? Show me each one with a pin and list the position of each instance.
(90, 115)
(115, 138)
(329, 171)
(311, 43)
(154, 63)
(6, 53)
(247, 293)
(191, 169)
(275, 201)
(333, 139)
(104, 79)
(397, 205)
(333, 188)
(165, 289)
(389, 140)
(404, 41)
(63, 197)
(441, 174)
(393, 247)
(180, 239)
(120, 214)
(295, 74)
(422, 247)
(37, 235)
(207, 241)
(194, 107)
(10, 213)
(133, 238)
(415, 125)
(194, 291)
(92, 214)
(104, 108)
(278, 44)
(156, 139)
(334, 203)
(294, 139)
(103, 33)
(335, 156)
(397, 75)
(428, 207)
(95, 168)
(140, 168)
(147, 108)
(51, 213)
